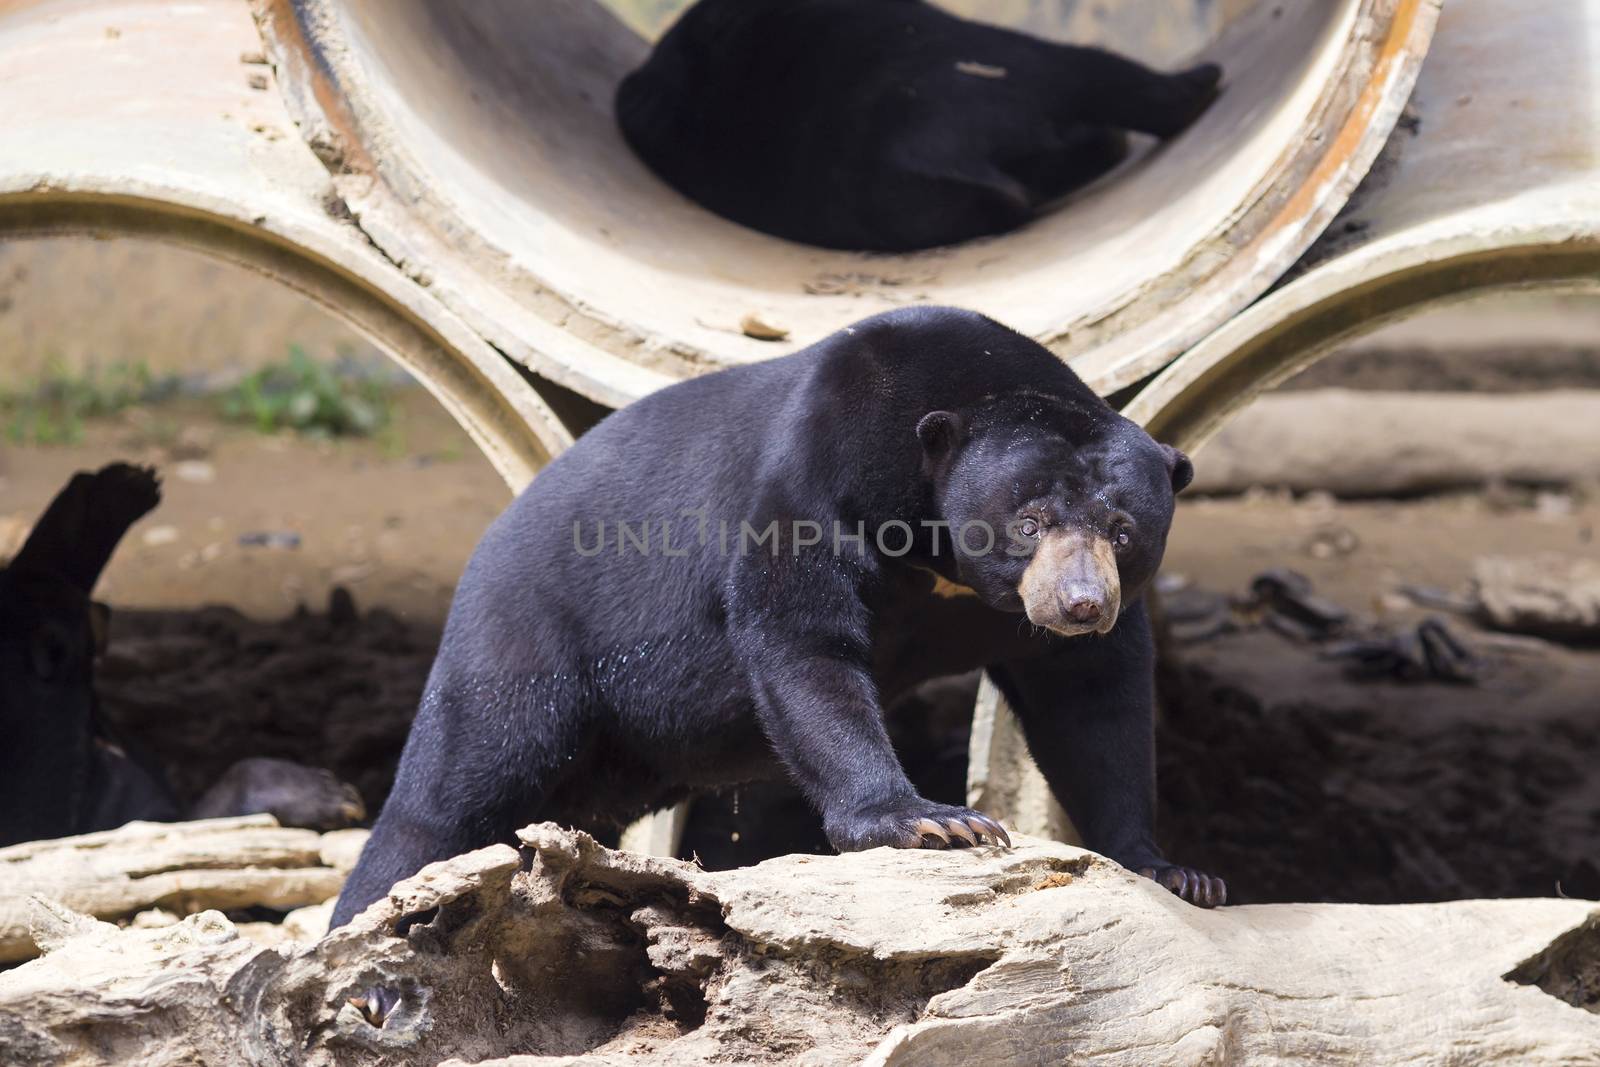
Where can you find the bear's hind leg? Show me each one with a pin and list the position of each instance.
(480, 762)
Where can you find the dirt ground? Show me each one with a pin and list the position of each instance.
(265, 523)
(1277, 771)
(1298, 783)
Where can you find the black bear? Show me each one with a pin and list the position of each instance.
(728, 580)
(64, 769)
(885, 125)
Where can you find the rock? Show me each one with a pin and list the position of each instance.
(177, 867)
(156, 536)
(570, 953)
(1554, 507)
(1331, 541)
(195, 442)
(1547, 595)
(197, 471)
(755, 326)
(284, 539)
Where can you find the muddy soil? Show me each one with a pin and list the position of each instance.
(203, 688)
(1299, 783)
(1296, 783)
(1277, 771)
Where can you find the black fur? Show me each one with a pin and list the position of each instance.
(64, 769)
(885, 125)
(588, 682)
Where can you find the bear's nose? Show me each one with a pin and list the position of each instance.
(1084, 611)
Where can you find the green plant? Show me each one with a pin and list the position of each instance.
(52, 409)
(303, 395)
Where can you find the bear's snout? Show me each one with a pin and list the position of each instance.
(1083, 605)
(1071, 585)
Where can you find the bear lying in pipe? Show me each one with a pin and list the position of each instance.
(727, 580)
(885, 125)
(64, 770)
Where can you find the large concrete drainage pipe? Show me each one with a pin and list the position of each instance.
(475, 145)
(150, 119)
(1497, 189)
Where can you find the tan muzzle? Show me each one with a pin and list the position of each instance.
(1071, 585)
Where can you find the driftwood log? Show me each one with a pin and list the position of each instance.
(567, 953)
(180, 868)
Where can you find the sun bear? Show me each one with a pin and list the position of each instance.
(65, 769)
(885, 125)
(729, 579)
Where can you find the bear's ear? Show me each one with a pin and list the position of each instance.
(939, 432)
(1179, 467)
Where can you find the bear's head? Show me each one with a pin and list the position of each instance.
(1056, 508)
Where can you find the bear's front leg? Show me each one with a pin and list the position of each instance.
(1087, 709)
(802, 634)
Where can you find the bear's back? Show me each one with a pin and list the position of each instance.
(798, 117)
(608, 540)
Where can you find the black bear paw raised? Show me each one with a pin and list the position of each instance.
(1197, 887)
(912, 822)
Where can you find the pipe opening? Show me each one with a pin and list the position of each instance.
(492, 123)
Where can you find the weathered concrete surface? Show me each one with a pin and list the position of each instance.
(1355, 443)
(1003, 782)
(1163, 32)
(475, 144)
(103, 132)
(1042, 955)
(176, 867)
(1490, 187)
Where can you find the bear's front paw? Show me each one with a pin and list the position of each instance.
(1197, 887)
(912, 822)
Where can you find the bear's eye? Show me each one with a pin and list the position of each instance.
(1029, 527)
(1121, 538)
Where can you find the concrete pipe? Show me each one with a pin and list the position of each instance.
(160, 120)
(475, 145)
(1495, 186)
